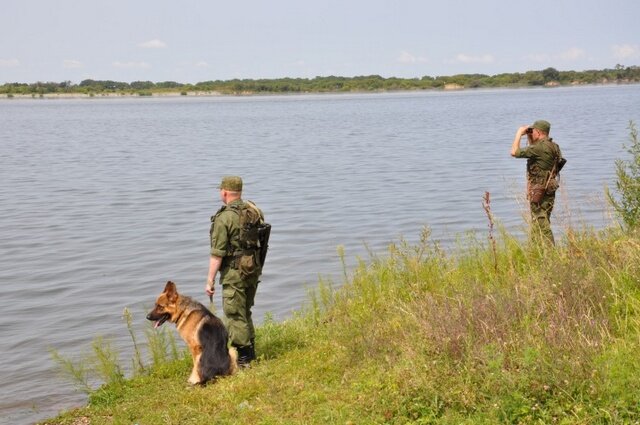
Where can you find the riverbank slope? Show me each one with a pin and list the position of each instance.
(486, 334)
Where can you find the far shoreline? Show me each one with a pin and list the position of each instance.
(205, 94)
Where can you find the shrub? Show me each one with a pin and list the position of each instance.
(628, 183)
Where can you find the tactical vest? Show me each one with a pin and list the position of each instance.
(543, 173)
(539, 169)
(250, 244)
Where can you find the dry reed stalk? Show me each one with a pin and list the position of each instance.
(486, 204)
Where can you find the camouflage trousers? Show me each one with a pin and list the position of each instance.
(541, 219)
(236, 305)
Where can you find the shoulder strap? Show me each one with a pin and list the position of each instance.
(558, 162)
(213, 217)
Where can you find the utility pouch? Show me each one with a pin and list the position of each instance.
(247, 265)
(536, 193)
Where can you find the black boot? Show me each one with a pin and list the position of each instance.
(244, 355)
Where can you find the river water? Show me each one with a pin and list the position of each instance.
(104, 200)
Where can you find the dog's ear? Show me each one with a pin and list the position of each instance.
(170, 291)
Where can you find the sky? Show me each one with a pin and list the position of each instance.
(189, 41)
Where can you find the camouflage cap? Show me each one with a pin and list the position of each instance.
(542, 125)
(231, 183)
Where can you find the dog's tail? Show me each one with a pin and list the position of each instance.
(215, 359)
(233, 355)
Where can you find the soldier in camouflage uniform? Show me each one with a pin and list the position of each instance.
(542, 156)
(238, 294)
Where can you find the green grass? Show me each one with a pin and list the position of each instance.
(487, 334)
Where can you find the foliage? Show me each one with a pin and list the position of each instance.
(101, 364)
(106, 362)
(162, 346)
(628, 183)
(76, 371)
(101, 367)
(551, 76)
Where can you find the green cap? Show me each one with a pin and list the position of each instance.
(231, 183)
(542, 125)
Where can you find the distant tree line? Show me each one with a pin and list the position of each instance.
(548, 76)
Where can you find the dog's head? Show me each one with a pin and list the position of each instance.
(166, 307)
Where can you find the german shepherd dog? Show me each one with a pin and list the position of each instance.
(203, 332)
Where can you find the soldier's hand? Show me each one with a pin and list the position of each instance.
(523, 130)
(209, 288)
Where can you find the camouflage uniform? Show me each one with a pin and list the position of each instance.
(237, 294)
(541, 157)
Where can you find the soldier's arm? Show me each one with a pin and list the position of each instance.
(515, 146)
(219, 245)
(214, 266)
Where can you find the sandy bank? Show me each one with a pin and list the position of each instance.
(107, 95)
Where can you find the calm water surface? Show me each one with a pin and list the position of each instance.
(104, 200)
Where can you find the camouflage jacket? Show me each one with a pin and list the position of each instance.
(541, 157)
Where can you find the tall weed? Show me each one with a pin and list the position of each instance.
(106, 362)
(100, 365)
(76, 371)
(137, 363)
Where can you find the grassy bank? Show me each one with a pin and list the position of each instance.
(486, 334)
